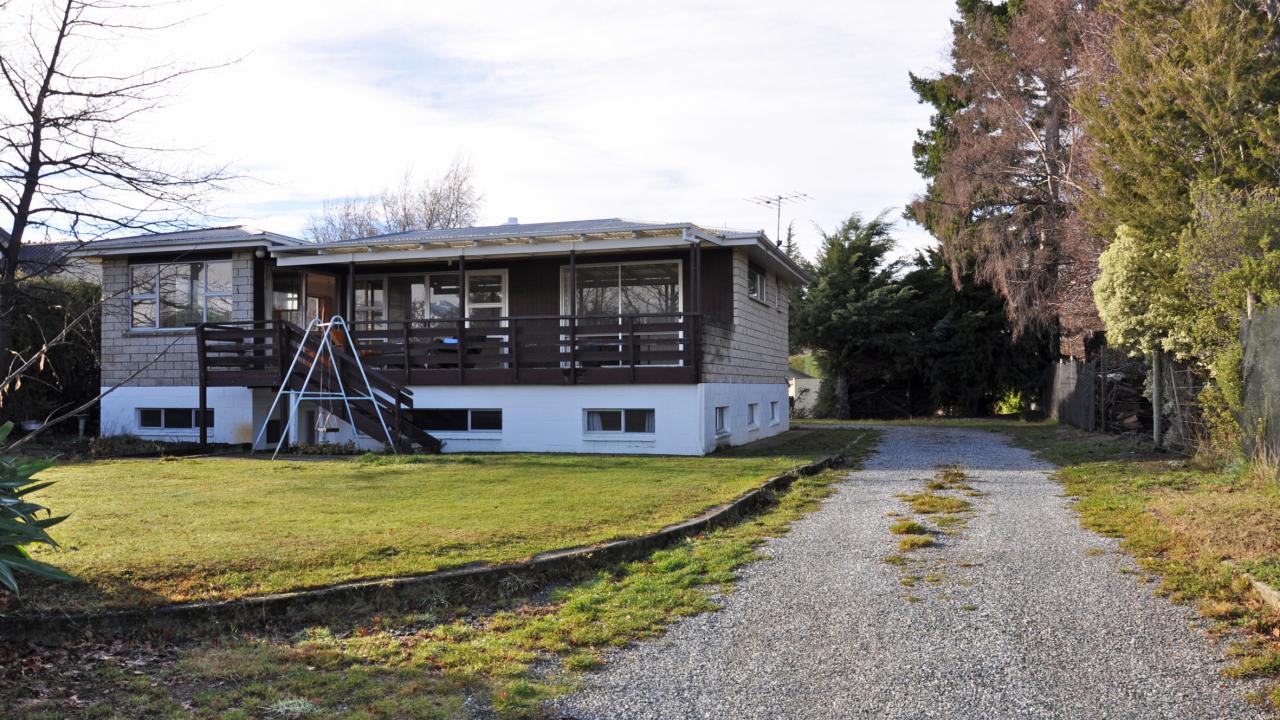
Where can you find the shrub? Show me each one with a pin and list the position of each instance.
(22, 522)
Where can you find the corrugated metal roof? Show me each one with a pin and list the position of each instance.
(213, 235)
(510, 230)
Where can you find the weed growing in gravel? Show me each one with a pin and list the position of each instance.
(953, 522)
(908, 527)
(896, 559)
(914, 542)
(928, 503)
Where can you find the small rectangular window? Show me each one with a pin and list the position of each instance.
(178, 418)
(621, 421)
(172, 418)
(755, 282)
(753, 412)
(773, 411)
(457, 419)
(446, 419)
(486, 419)
(722, 420)
(604, 421)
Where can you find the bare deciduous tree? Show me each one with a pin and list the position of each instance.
(447, 202)
(68, 165)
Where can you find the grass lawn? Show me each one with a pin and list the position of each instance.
(154, 531)
(1180, 521)
(425, 658)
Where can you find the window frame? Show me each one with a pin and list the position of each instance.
(753, 415)
(470, 420)
(565, 290)
(760, 292)
(192, 416)
(154, 295)
(774, 419)
(385, 279)
(720, 420)
(622, 422)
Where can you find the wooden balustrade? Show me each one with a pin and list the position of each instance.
(543, 349)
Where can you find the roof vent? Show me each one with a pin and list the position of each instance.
(513, 221)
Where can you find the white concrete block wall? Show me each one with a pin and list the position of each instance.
(233, 412)
(124, 349)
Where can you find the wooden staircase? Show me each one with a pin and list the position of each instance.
(263, 354)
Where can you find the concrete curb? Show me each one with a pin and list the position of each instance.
(481, 578)
(1270, 596)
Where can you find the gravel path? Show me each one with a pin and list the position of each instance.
(1031, 617)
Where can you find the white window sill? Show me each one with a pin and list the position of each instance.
(160, 331)
(493, 435)
(759, 300)
(620, 437)
(723, 433)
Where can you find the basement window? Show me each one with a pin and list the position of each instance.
(620, 421)
(171, 418)
(722, 420)
(458, 420)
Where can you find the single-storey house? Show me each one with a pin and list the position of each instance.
(610, 336)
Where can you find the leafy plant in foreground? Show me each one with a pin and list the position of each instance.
(23, 523)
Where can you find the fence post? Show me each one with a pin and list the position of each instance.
(1157, 400)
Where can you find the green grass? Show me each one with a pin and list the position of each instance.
(914, 542)
(908, 527)
(807, 364)
(154, 531)
(422, 659)
(930, 503)
(1180, 520)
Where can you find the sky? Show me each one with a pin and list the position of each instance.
(566, 110)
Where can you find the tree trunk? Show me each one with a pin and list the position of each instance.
(840, 395)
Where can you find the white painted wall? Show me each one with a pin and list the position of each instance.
(736, 397)
(535, 418)
(233, 420)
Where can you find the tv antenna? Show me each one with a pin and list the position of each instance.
(776, 202)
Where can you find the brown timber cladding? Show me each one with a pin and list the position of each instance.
(744, 340)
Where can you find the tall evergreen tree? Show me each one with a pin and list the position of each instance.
(852, 312)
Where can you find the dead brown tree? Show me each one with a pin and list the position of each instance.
(69, 168)
(1006, 168)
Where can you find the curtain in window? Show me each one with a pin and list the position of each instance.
(595, 422)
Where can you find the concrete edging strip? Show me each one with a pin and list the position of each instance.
(546, 566)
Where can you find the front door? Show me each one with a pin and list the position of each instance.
(321, 291)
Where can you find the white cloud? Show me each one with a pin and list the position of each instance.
(670, 111)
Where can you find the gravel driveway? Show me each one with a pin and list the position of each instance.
(1024, 615)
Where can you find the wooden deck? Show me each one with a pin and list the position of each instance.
(530, 350)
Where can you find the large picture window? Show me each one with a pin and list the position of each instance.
(650, 288)
(175, 295)
(429, 297)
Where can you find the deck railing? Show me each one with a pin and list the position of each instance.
(535, 349)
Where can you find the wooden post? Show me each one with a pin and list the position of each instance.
(203, 371)
(282, 352)
(1157, 400)
(351, 291)
(631, 345)
(514, 343)
(462, 315)
(573, 315)
(405, 337)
